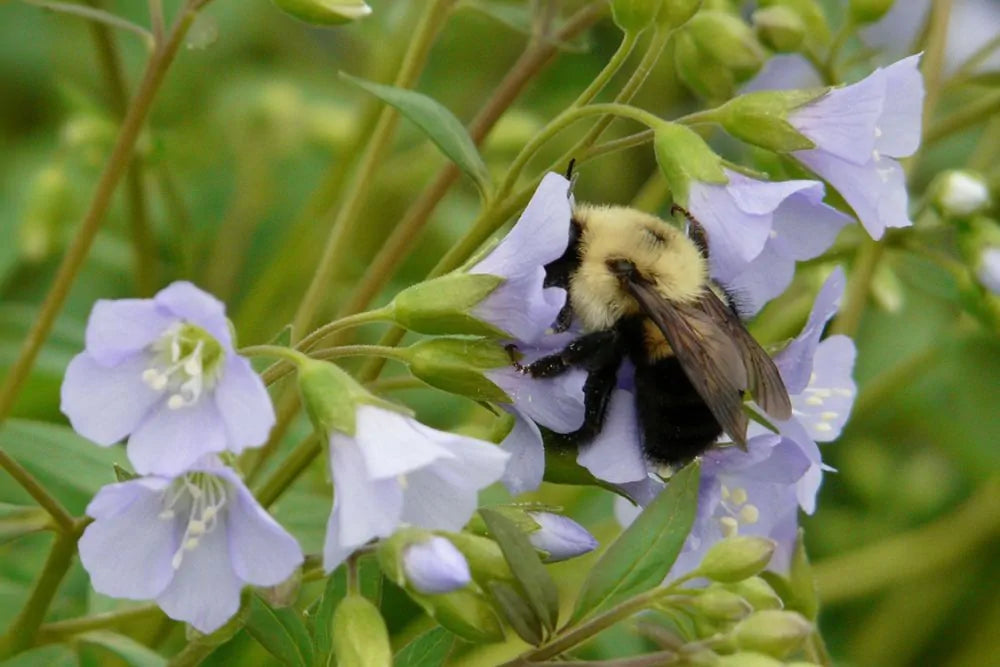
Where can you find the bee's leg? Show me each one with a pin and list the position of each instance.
(589, 351)
(564, 319)
(596, 397)
(695, 231)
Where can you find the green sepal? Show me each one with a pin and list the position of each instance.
(868, 11)
(675, 13)
(456, 365)
(817, 35)
(484, 556)
(465, 612)
(761, 118)
(756, 591)
(329, 395)
(683, 157)
(634, 16)
(779, 28)
(442, 305)
(705, 77)
(718, 604)
(773, 632)
(359, 635)
(123, 474)
(728, 41)
(736, 558)
(324, 12)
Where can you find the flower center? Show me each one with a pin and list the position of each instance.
(200, 497)
(184, 362)
(737, 510)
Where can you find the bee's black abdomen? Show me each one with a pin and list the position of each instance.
(676, 424)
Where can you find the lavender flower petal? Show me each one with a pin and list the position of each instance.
(796, 360)
(244, 405)
(262, 552)
(189, 303)
(119, 328)
(526, 465)
(435, 566)
(392, 444)
(615, 454)
(169, 441)
(560, 537)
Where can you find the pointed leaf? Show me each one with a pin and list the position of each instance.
(94, 648)
(642, 555)
(517, 612)
(282, 632)
(439, 124)
(428, 650)
(539, 589)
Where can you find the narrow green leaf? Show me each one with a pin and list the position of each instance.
(439, 124)
(428, 650)
(539, 589)
(94, 648)
(642, 555)
(282, 632)
(53, 655)
(517, 612)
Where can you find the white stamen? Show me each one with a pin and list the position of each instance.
(725, 492)
(739, 495)
(843, 392)
(827, 416)
(403, 483)
(823, 427)
(878, 131)
(814, 400)
(176, 402)
(202, 496)
(729, 525)
(817, 391)
(749, 514)
(812, 378)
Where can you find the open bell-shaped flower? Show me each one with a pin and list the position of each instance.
(189, 542)
(163, 372)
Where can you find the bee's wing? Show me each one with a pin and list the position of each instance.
(764, 380)
(706, 352)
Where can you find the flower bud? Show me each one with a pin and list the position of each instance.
(456, 365)
(47, 214)
(435, 566)
(747, 659)
(485, 559)
(683, 157)
(721, 40)
(988, 270)
(358, 634)
(329, 395)
(773, 632)
(868, 11)
(634, 16)
(675, 13)
(442, 305)
(757, 592)
(810, 12)
(736, 558)
(718, 604)
(559, 537)
(702, 75)
(465, 612)
(779, 28)
(325, 12)
(958, 193)
(761, 118)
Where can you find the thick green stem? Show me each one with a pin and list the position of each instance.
(290, 469)
(21, 634)
(982, 109)
(64, 520)
(347, 216)
(59, 631)
(353, 320)
(858, 286)
(121, 155)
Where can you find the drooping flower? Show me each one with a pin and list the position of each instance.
(163, 372)
(560, 537)
(522, 305)
(746, 218)
(858, 131)
(189, 542)
(395, 470)
(435, 566)
(989, 269)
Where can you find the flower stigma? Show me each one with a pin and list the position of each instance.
(185, 361)
(201, 496)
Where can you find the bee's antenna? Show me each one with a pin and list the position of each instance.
(571, 176)
(695, 230)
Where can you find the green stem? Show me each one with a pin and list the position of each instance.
(347, 215)
(603, 77)
(59, 631)
(120, 157)
(290, 355)
(983, 108)
(932, 66)
(972, 62)
(316, 337)
(289, 470)
(875, 392)
(21, 633)
(64, 520)
(279, 370)
(858, 287)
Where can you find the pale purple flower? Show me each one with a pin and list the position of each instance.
(163, 372)
(522, 306)
(784, 71)
(190, 543)
(395, 470)
(740, 218)
(435, 566)
(989, 269)
(560, 537)
(858, 131)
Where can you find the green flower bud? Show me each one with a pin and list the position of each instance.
(728, 41)
(868, 11)
(773, 632)
(746, 659)
(683, 157)
(47, 214)
(959, 193)
(358, 634)
(486, 561)
(779, 28)
(703, 76)
(760, 118)
(325, 12)
(719, 604)
(817, 32)
(467, 613)
(442, 305)
(757, 592)
(634, 16)
(736, 558)
(456, 365)
(675, 13)
(331, 396)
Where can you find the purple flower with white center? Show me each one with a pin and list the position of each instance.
(190, 543)
(989, 269)
(560, 537)
(522, 306)
(858, 130)
(435, 566)
(395, 470)
(740, 218)
(163, 372)
(803, 228)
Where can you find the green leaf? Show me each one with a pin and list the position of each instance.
(428, 650)
(69, 466)
(439, 124)
(54, 655)
(94, 648)
(282, 632)
(517, 612)
(642, 555)
(18, 520)
(539, 589)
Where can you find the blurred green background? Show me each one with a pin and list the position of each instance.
(253, 121)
